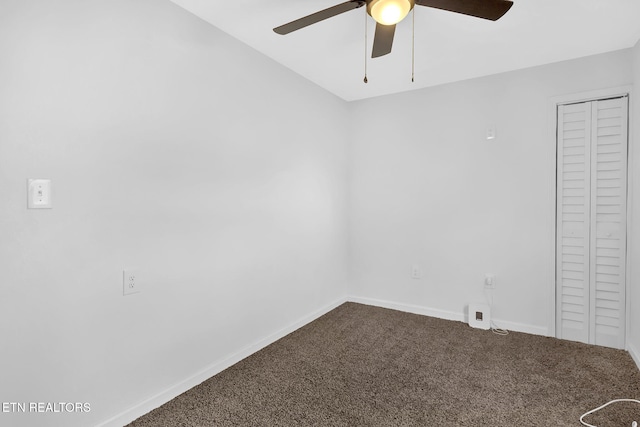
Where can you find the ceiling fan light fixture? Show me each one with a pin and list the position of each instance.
(389, 12)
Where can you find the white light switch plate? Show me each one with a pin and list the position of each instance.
(39, 194)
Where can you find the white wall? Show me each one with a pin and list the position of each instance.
(429, 189)
(173, 149)
(222, 177)
(634, 241)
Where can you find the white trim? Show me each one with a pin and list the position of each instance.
(552, 121)
(409, 308)
(447, 315)
(630, 220)
(522, 327)
(592, 95)
(635, 354)
(551, 135)
(175, 390)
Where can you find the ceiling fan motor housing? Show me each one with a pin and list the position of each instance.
(389, 12)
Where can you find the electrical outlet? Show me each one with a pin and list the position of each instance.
(491, 132)
(130, 282)
(416, 272)
(489, 281)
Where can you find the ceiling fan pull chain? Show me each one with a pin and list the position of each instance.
(365, 47)
(413, 43)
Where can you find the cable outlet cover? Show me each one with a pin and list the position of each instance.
(479, 316)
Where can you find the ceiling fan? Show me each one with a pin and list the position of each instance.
(387, 13)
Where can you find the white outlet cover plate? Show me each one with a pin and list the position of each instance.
(130, 282)
(489, 281)
(39, 194)
(416, 272)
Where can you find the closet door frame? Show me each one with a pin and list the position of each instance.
(552, 120)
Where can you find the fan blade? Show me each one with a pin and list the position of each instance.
(486, 9)
(383, 40)
(319, 16)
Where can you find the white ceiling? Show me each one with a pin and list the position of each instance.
(448, 46)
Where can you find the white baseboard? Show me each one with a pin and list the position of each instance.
(408, 308)
(635, 354)
(521, 327)
(175, 390)
(447, 315)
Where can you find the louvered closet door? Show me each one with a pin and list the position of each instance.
(609, 222)
(573, 203)
(591, 221)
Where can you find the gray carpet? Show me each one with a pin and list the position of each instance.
(367, 366)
